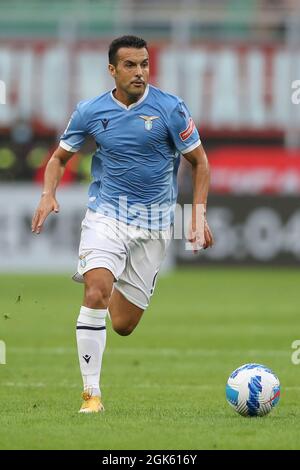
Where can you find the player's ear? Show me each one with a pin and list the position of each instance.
(112, 70)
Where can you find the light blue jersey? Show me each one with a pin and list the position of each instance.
(135, 166)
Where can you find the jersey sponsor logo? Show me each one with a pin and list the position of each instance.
(105, 123)
(184, 135)
(148, 121)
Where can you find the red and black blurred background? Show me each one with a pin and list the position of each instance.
(236, 64)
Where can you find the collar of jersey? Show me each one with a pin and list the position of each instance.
(133, 105)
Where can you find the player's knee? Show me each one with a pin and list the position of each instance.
(96, 296)
(123, 330)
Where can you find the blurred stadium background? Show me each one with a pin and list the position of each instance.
(234, 63)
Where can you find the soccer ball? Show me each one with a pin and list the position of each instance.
(253, 390)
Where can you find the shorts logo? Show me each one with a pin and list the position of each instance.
(184, 135)
(148, 121)
(83, 258)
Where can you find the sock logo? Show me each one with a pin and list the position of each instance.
(87, 358)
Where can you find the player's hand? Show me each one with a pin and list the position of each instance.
(208, 236)
(200, 236)
(47, 205)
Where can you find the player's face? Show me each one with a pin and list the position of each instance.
(131, 73)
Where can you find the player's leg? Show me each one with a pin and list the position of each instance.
(124, 315)
(135, 286)
(102, 257)
(91, 334)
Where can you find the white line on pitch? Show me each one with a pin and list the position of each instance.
(152, 386)
(152, 351)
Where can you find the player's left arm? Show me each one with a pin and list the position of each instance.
(200, 234)
(187, 141)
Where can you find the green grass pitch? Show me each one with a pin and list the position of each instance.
(163, 386)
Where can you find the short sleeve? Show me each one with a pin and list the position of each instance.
(183, 130)
(75, 133)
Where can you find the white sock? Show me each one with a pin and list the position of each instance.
(91, 339)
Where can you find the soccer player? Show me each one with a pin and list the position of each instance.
(140, 132)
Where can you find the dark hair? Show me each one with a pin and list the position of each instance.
(124, 41)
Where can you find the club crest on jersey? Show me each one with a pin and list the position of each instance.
(184, 135)
(83, 258)
(148, 121)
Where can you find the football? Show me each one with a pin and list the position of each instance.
(253, 390)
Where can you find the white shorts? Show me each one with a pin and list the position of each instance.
(133, 255)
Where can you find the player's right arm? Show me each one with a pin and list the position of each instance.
(71, 141)
(53, 174)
